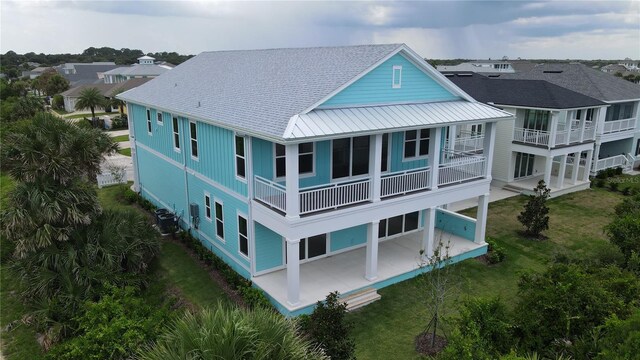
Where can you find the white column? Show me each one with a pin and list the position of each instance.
(429, 232)
(553, 129)
(481, 218)
(547, 170)
(375, 166)
(583, 123)
(434, 155)
(561, 171)
(293, 271)
(371, 270)
(291, 166)
(596, 155)
(452, 137)
(576, 167)
(602, 115)
(587, 166)
(134, 157)
(488, 147)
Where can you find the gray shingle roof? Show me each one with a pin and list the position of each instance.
(138, 70)
(582, 79)
(256, 90)
(107, 90)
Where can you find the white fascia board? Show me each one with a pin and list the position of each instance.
(546, 109)
(619, 101)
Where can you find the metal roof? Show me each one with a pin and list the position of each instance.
(138, 70)
(334, 122)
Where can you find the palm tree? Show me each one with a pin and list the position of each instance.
(90, 98)
(224, 333)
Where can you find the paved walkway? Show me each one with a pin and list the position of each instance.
(115, 133)
(117, 159)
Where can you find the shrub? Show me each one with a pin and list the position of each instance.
(327, 327)
(626, 191)
(624, 230)
(617, 171)
(496, 253)
(58, 102)
(130, 196)
(254, 297)
(534, 217)
(600, 183)
(489, 317)
(602, 174)
(613, 186)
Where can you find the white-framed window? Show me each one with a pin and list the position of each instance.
(207, 206)
(241, 161)
(176, 133)
(305, 159)
(399, 224)
(219, 220)
(149, 122)
(349, 157)
(193, 134)
(311, 247)
(243, 235)
(159, 118)
(476, 129)
(416, 143)
(396, 82)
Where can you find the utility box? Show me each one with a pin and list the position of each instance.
(194, 210)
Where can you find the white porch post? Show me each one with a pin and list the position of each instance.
(481, 218)
(547, 170)
(134, 157)
(375, 166)
(576, 167)
(561, 171)
(452, 137)
(587, 166)
(434, 155)
(583, 123)
(291, 166)
(596, 156)
(553, 129)
(429, 232)
(371, 270)
(488, 147)
(293, 271)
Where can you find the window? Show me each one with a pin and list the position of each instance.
(524, 165)
(619, 111)
(311, 247)
(536, 120)
(399, 224)
(385, 153)
(475, 129)
(589, 116)
(207, 206)
(159, 118)
(416, 143)
(243, 237)
(219, 221)
(305, 159)
(638, 148)
(194, 139)
(397, 77)
(350, 157)
(149, 121)
(176, 134)
(241, 170)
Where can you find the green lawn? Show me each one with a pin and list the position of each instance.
(120, 138)
(386, 329)
(87, 115)
(125, 151)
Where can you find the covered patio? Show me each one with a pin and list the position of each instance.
(398, 260)
(526, 185)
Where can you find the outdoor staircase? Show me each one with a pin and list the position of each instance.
(360, 298)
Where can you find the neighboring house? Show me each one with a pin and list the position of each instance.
(313, 170)
(107, 90)
(34, 73)
(146, 68)
(85, 73)
(631, 65)
(551, 139)
(613, 68)
(617, 129)
(480, 66)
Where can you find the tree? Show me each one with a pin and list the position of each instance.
(329, 330)
(55, 84)
(535, 216)
(91, 98)
(224, 333)
(624, 230)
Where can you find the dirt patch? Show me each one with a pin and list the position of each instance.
(483, 259)
(423, 344)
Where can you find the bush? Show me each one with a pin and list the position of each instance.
(495, 253)
(613, 186)
(600, 183)
(130, 196)
(58, 102)
(327, 328)
(626, 191)
(624, 230)
(254, 297)
(489, 319)
(617, 171)
(535, 215)
(113, 328)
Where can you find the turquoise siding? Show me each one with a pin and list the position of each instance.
(263, 158)
(455, 225)
(375, 87)
(161, 138)
(269, 248)
(396, 149)
(346, 238)
(169, 187)
(216, 250)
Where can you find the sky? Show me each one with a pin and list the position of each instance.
(434, 29)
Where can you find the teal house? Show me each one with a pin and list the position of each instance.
(314, 170)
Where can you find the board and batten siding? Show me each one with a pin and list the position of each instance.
(269, 248)
(349, 237)
(503, 156)
(376, 86)
(161, 182)
(161, 138)
(455, 224)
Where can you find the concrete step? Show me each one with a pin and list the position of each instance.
(360, 298)
(512, 188)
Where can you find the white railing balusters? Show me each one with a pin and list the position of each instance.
(610, 162)
(403, 182)
(619, 125)
(471, 167)
(531, 136)
(271, 193)
(323, 197)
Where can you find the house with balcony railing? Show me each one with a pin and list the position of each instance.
(551, 138)
(314, 170)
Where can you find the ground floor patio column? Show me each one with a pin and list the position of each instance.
(481, 218)
(428, 234)
(547, 170)
(561, 171)
(371, 270)
(293, 271)
(576, 167)
(587, 166)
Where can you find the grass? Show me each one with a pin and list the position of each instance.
(87, 115)
(120, 138)
(387, 328)
(125, 151)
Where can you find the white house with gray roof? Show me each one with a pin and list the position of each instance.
(145, 68)
(314, 170)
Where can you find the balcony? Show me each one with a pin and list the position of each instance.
(623, 161)
(468, 142)
(549, 139)
(619, 125)
(531, 136)
(455, 168)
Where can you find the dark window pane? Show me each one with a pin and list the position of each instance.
(219, 211)
(176, 140)
(239, 145)
(410, 135)
(244, 245)
(148, 115)
(385, 152)
(194, 148)
(341, 153)
(409, 149)
(207, 201)
(302, 253)
(305, 164)
(148, 126)
(395, 225)
(280, 167)
(194, 134)
(411, 221)
(280, 150)
(208, 212)
(240, 168)
(317, 245)
(382, 229)
(424, 133)
(220, 229)
(159, 116)
(305, 148)
(242, 225)
(360, 155)
(424, 147)
(175, 124)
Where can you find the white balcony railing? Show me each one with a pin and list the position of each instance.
(574, 135)
(332, 196)
(562, 136)
(403, 182)
(619, 125)
(461, 169)
(531, 136)
(589, 133)
(610, 162)
(270, 193)
(468, 143)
